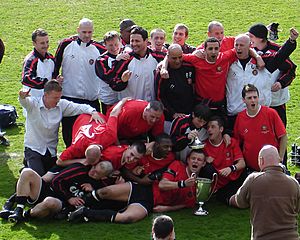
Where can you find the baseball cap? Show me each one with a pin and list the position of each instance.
(126, 23)
(259, 30)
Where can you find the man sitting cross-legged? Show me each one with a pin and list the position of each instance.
(177, 189)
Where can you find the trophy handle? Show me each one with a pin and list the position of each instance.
(213, 185)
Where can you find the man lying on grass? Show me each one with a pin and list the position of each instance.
(176, 190)
(67, 188)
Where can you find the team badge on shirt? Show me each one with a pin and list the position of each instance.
(264, 129)
(228, 155)
(219, 69)
(190, 194)
(91, 61)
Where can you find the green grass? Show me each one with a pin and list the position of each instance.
(60, 18)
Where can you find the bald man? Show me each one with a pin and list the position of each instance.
(216, 29)
(273, 198)
(176, 92)
(77, 56)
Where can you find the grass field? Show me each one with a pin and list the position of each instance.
(60, 18)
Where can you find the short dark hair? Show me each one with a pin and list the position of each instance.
(249, 88)
(200, 151)
(217, 119)
(140, 147)
(126, 24)
(52, 85)
(202, 111)
(211, 40)
(139, 30)
(38, 32)
(156, 106)
(162, 226)
(163, 136)
(110, 35)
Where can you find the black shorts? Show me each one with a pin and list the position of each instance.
(141, 195)
(104, 204)
(45, 191)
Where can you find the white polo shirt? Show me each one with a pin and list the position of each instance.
(42, 124)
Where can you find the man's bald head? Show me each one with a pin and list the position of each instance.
(93, 154)
(242, 46)
(243, 37)
(175, 56)
(268, 156)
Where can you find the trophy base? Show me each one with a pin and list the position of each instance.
(201, 213)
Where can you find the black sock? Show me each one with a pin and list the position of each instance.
(12, 198)
(100, 215)
(21, 200)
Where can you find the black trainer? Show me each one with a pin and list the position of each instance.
(8, 205)
(10, 202)
(77, 215)
(17, 216)
(5, 214)
(63, 214)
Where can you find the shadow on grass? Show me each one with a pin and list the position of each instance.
(8, 179)
(11, 158)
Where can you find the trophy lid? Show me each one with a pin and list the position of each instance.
(196, 144)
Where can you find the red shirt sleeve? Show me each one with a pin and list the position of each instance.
(278, 125)
(230, 55)
(190, 58)
(71, 152)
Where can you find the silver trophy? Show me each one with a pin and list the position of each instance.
(205, 187)
(196, 144)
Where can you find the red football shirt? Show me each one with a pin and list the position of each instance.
(131, 123)
(224, 157)
(254, 132)
(86, 133)
(179, 196)
(151, 164)
(211, 78)
(114, 154)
